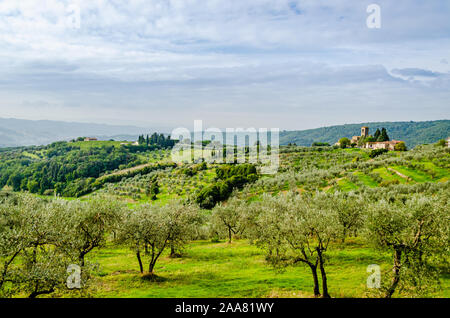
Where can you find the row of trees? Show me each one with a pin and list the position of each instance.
(156, 140)
(381, 135)
(40, 238)
(297, 228)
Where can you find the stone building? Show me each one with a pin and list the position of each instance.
(389, 145)
(364, 133)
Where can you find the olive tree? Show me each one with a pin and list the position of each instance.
(416, 232)
(297, 229)
(181, 221)
(88, 223)
(349, 209)
(33, 261)
(229, 218)
(150, 229)
(13, 240)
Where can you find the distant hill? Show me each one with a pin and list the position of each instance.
(413, 133)
(18, 132)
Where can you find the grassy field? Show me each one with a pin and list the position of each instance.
(346, 185)
(233, 270)
(98, 143)
(387, 175)
(366, 180)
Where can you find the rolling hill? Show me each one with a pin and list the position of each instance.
(413, 133)
(19, 132)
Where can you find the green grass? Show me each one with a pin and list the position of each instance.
(346, 185)
(416, 175)
(440, 173)
(30, 155)
(366, 180)
(388, 175)
(236, 270)
(97, 144)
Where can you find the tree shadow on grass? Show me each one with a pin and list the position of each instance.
(151, 277)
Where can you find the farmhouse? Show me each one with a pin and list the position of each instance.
(90, 139)
(389, 145)
(448, 142)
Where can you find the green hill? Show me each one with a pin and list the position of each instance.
(413, 133)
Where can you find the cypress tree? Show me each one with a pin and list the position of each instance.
(377, 134)
(384, 136)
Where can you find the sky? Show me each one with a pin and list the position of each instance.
(288, 64)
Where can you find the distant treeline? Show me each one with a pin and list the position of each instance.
(156, 140)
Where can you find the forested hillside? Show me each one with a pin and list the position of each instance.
(72, 168)
(413, 133)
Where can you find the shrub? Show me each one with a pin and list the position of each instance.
(344, 142)
(377, 152)
(401, 146)
(387, 183)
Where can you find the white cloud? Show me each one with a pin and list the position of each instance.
(172, 60)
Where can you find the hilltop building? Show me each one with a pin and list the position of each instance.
(364, 133)
(389, 145)
(90, 139)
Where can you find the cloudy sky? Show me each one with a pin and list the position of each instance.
(290, 64)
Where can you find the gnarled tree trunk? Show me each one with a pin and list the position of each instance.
(141, 267)
(324, 277)
(316, 279)
(396, 270)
